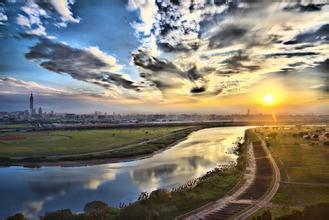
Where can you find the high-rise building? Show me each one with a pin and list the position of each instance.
(31, 104)
(40, 111)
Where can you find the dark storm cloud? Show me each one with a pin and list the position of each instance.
(234, 64)
(78, 63)
(292, 54)
(193, 74)
(304, 8)
(321, 34)
(154, 68)
(167, 47)
(154, 64)
(198, 89)
(147, 61)
(162, 73)
(227, 36)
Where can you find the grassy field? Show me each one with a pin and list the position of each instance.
(56, 143)
(304, 166)
(23, 125)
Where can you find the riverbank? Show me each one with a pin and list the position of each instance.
(168, 204)
(122, 153)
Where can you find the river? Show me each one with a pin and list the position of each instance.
(35, 191)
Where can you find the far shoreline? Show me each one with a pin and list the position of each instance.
(89, 162)
(75, 161)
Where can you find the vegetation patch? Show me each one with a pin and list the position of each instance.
(302, 154)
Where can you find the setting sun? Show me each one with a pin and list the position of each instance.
(269, 99)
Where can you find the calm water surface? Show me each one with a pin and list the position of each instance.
(35, 191)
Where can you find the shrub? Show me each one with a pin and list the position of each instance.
(64, 214)
(99, 210)
(160, 195)
(96, 208)
(138, 211)
(18, 216)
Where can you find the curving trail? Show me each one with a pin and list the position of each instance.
(267, 198)
(260, 183)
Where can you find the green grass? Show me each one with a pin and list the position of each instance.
(301, 160)
(23, 125)
(57, 143)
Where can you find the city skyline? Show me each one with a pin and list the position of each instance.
(135, 56)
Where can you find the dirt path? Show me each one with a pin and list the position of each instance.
(248, 178)
(260, 183)
(267, 198)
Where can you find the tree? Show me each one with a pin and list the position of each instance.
(64, 214)
(96, 208)
(17, 216)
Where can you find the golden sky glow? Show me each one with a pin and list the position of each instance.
(269, 99)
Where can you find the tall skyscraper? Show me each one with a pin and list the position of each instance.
(31, 104)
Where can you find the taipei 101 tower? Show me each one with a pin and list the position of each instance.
(31, 104)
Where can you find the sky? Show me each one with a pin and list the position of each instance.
(151, 56)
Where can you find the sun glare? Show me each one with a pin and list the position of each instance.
(269, 99)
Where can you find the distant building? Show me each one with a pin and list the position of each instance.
(40, 111)
(32, 111)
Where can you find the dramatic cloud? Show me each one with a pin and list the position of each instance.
(59, 7)
(226, 36)
(292, 54)
(227, 44)
(299, 7)
(89, 64)
(35, 14)
(63, 8)
(321, 34)
(3, 16)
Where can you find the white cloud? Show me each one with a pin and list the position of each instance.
(148, 12)
(3, 16)
(12, 85)
(108, 59)
(31, 22)
(63, 8)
